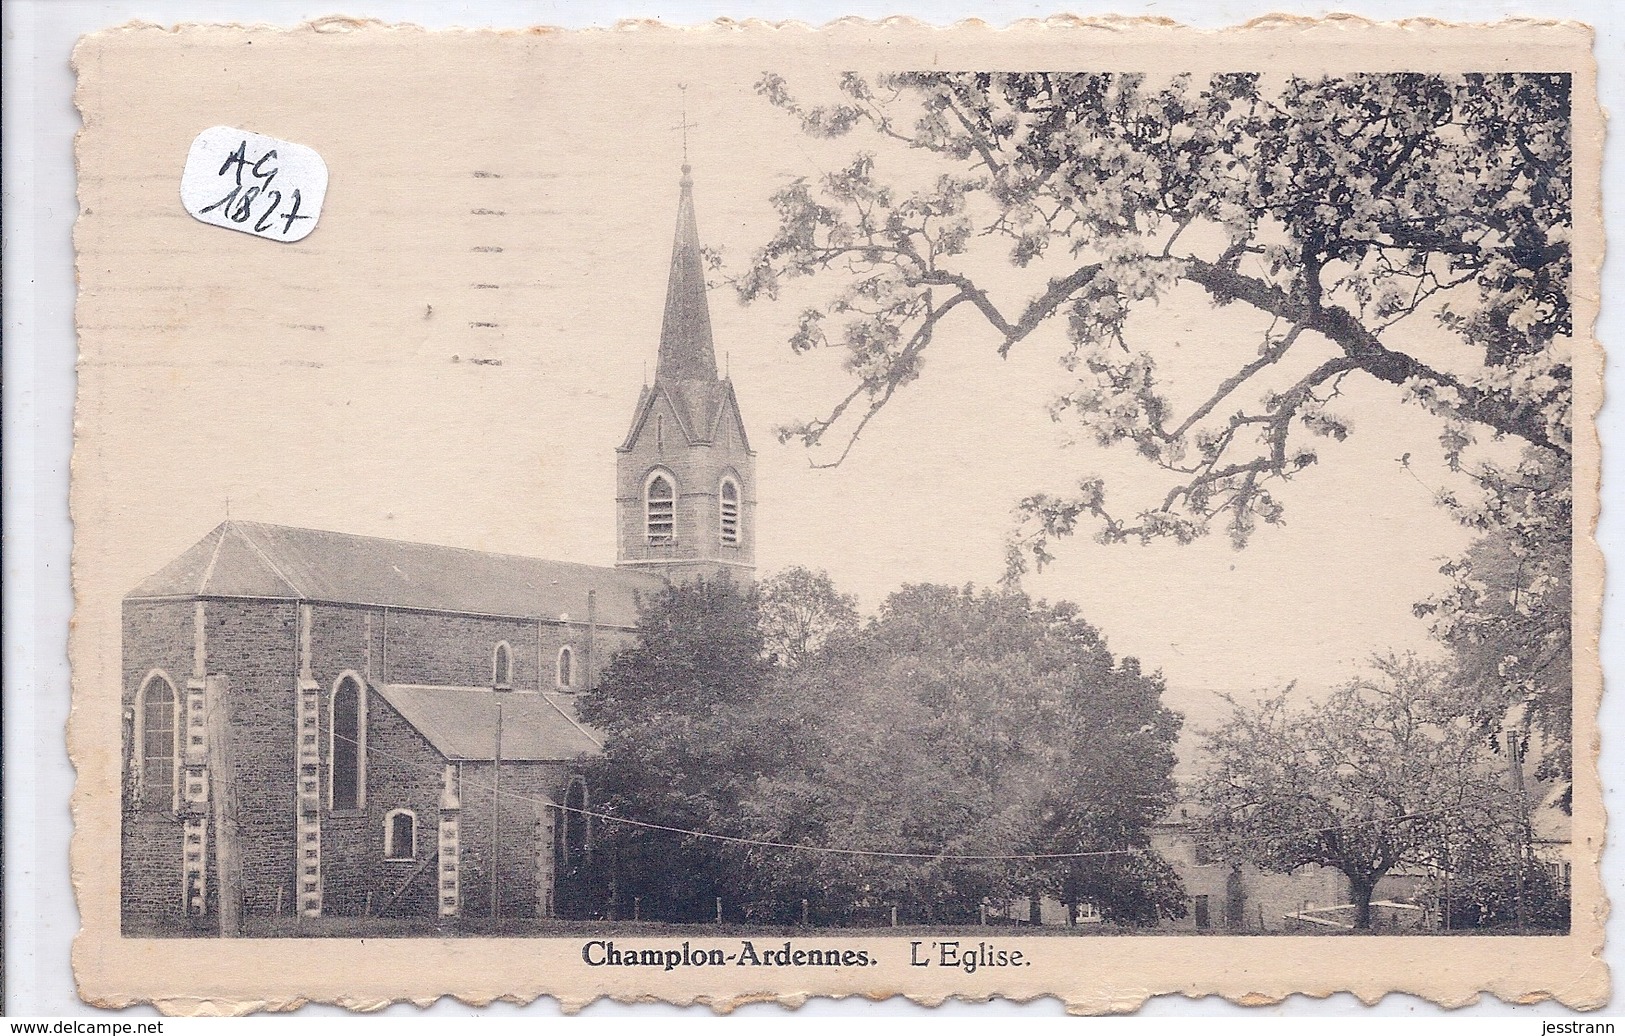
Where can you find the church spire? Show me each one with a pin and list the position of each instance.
(686, 349)
(685, 476)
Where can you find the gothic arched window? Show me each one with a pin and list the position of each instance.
(159, 742)
(400, 835)
(347, 726)
(502, 666)
(566, 665)
(660, 508)
(729, 511)
(574, 835)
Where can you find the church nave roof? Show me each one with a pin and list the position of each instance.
(461, 722)
(254, 560)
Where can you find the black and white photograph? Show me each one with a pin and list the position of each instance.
(717, 510)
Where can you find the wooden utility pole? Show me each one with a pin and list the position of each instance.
(227, 864)
(591, 680)
(1449, 865)
(1515, 761)
(496, 822)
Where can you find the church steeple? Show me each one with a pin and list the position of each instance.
(686, 475)
(686, 350)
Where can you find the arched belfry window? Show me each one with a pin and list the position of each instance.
(158, 742)
(660, 507)
(566, 666)
(400, 835)
(729, 511)
(347, 726)
(502, 667)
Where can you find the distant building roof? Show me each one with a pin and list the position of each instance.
(251, 559)
(1550, 821)
(461, 722)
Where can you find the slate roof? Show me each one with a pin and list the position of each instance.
(255, 560)
(686, 370)
(701, 407)
(686, 349)
(461, 722)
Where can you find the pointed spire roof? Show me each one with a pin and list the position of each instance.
(686, 350)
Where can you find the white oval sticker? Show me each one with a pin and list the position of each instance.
(253, 183)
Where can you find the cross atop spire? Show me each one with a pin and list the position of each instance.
(686, 349)
(685, 125)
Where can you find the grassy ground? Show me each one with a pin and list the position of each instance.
(386, 928)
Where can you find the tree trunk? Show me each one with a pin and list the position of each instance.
(1360, 890)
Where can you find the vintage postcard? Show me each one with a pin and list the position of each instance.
(1088, 509)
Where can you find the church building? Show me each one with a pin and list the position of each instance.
(324, 725)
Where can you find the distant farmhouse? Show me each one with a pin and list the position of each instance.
(319, 724)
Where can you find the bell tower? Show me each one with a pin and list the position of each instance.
(686, 475)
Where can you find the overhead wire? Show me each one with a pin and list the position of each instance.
(849, 851)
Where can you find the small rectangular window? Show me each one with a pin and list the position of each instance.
(400, 835)
(502, 667)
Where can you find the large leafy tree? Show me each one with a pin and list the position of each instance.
(921, 762)
(1403, 229)
(1120, 747)
(1388, 770)
(963, 723)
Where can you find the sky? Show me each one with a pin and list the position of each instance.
(332, 383)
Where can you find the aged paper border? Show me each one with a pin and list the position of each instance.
(1093, 976)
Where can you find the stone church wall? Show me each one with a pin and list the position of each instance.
(157, 635)
(426, 647)
(457, 650)
(526, 788)
(1243, 897)
(339, 644)
(254, 645)
(403, 772)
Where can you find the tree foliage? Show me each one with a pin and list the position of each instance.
(1507, 615)
(678, 710)
(1493, 883)
(801, 612)
(984, 723)
(1387, 770)
(1358, 221)
(955, 724)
